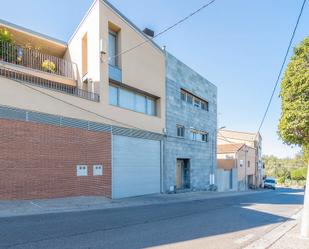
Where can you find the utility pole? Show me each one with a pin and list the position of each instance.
(214, 155)
(304, 230)
(246, 185)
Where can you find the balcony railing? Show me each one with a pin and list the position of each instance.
(34, 59)
(25, 78)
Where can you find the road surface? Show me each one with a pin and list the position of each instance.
(229, 222)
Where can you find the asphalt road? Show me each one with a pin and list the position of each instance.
(230, 222)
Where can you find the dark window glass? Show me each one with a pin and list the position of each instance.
(180, 131)
(189, 98)
(183, 95)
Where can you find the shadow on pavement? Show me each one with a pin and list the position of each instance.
(145, 226)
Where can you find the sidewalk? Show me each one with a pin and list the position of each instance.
(83, 203)
(292, 240)
(285, 236)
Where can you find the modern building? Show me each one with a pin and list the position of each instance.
(83, 117)
(191, 121)
(236, 167)
(251, 139)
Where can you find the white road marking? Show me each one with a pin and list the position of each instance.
(34, 204)
(244, 239)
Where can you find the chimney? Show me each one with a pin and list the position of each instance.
(149, 32)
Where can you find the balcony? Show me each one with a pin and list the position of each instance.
(38, 64)
(30, 66)
(30, 79)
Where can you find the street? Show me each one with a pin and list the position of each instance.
(229, 222)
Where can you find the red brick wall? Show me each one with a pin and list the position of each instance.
(39, 161)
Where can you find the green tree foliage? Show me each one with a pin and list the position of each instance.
(286, 168)
(294, 121)
(299, 174)
(6, 44)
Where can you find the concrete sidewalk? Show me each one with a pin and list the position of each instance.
(291, 240)
(284, 236)
(83, 203)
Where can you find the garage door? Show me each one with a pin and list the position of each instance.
(136, 166)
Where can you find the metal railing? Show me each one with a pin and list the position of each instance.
(40, 82)
(34, 59)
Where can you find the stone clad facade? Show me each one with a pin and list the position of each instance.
(199, 156)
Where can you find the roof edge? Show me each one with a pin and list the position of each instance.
(32, 32)
(128, 21)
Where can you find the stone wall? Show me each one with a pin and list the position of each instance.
(202, 155)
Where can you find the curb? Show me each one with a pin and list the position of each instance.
(277, 233)
(121, 203)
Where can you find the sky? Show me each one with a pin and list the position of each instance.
(238, 45)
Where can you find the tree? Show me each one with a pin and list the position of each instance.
(6, 45)
(294, 121)
(299, 174)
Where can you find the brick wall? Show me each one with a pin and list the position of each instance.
(39, 161)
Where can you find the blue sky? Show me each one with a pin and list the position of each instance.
(236, 44)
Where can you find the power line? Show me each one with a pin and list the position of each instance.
(165, 30)
(230, 142)
(76, 106)
(282, 66)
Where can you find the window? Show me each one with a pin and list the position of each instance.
(201, 136)
(248, 164)
(128, 99)
(204, 105)
(183, 95)
(205, 137)
(112, 48)
(113, 95)
(140, 103)
(193, 135)
(197, 103)
(151, 106)
(180, 131)
(191, 99)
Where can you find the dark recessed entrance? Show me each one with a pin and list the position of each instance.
(183, 174)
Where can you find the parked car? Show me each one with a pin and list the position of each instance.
(270, 183)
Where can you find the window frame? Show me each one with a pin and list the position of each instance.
(197, 135)
(147, 100)
(191, 99)
(180, 128)
(115, 35)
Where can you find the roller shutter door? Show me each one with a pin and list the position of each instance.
(136, 166)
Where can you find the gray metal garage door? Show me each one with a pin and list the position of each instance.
(136, 166)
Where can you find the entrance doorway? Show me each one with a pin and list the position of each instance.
(183, 174)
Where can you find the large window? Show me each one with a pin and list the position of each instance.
(193, 100)
(131, 100)
(201, 136)
(112, 48)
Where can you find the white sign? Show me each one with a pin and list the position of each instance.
(241, 163)
(97, 170)
(81, 170)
